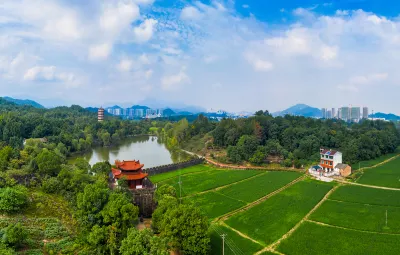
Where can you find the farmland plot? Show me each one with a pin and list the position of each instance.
(256, 188)
(214, 204)
(365, 195)
(386, 175)
(193, 169)
(198, 182)
(313, 239)
(359, 216)
(268, 221)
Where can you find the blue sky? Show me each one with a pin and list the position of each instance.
(221, 54)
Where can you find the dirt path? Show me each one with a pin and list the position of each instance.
(246, 207)
(240, 233)
(273, 246)
(366, 185)
(359, 230)
(237, 167)
(227, 185)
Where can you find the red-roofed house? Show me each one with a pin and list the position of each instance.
(132, 171)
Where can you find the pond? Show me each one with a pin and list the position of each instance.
(150, 150)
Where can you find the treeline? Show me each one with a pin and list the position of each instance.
(72, 128)
(296, 140)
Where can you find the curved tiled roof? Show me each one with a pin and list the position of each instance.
(129, 165)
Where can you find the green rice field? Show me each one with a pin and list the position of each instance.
(359, 216)
(271, 219)
(365, 195)
(202, 181)
(314, 239)
(214, 204)
(193, 169)
(386, 175)
(218, 203)
(256, 188)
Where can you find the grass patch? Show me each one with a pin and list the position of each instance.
(359, 216)
(364, 195)
(260, 186)
(271, 219)
(193, 169)
(198, 182)
(311, 239)
(214, 204)
(386, 175)
(234, 243)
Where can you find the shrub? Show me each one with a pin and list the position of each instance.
(13, 199)
(15, 235)
(51, 185)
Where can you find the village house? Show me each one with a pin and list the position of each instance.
(330, 164)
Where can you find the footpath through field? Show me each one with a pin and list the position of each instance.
(246, 207)
(353, 229)
(366, 185)
(272, 247)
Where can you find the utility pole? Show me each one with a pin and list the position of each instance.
(180, 189)
(223, 243)
(386, 218)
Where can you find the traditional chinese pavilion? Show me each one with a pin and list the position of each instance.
(132, 171)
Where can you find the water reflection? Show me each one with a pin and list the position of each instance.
(150, 150)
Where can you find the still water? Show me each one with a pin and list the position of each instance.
(150, 150)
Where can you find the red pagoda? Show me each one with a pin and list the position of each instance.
(132, 171)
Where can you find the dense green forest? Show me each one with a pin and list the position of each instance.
(48, 206)
(295, 139)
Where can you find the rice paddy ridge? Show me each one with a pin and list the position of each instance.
(352, 202)
(365, 185)
(244, 208)
(276, 243)
(358, 230)
(240, 233)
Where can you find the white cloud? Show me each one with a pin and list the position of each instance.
(125, 65)
(245, 6)
(148, 74)
(40, 73)
(144, 31)
(258, 63)
(50, 73)
(356, 82)
(100, 51)
(119, 16)
(328, 53)
(190, 13)
(172, 82)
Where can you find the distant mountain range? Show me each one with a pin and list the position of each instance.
(24, 102)
(387, 116)
(300, 110)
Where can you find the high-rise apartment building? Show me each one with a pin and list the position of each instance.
(329, 114)
(345, 113)
(333, 113)
(355, 114)
(323, 111)
(365, 113)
